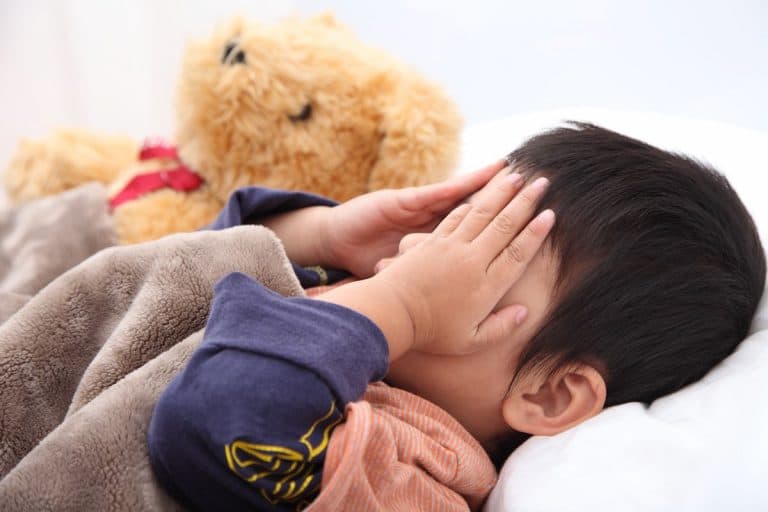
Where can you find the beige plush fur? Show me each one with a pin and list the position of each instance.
(86, 352)
(374, 123)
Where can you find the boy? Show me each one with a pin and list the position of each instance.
(484, 332)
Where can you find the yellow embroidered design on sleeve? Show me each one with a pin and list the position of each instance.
(321, 274)
(291, 471)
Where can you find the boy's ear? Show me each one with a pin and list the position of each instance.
(547, 405)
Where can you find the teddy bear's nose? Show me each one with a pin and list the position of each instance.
(231, 50)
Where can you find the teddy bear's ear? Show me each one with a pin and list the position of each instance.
(232, 27)
(327, 23)
(326, 19)
(420, 132)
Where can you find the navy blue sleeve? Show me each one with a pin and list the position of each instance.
(246, 424)
(246, 205)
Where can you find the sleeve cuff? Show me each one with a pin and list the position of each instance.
(247, 203)
(344, 348)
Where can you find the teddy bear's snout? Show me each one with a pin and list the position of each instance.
(232, 54)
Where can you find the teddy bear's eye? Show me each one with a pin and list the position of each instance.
(305, 114)
(238, 58)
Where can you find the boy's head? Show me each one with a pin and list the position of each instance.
(650, 277)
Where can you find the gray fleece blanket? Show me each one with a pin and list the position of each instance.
(86, 347)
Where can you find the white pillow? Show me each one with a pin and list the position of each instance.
(702, 448)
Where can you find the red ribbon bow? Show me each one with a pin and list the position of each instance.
(178, 177)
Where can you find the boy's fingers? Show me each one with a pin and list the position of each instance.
(510, 264)
(475, 180)
(500, 325)
(440, 197)
(508, 223)
(487, 205)
(452, 220)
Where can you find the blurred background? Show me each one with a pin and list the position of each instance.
(111, 66)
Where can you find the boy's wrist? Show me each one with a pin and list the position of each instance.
(378, 300)
(301, 232)
(399, 316)
(321, 236)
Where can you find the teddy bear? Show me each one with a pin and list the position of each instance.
(301, 104)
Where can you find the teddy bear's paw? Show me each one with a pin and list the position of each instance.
(35, 171)
(63, 161)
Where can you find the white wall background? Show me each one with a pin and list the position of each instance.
(111, 65)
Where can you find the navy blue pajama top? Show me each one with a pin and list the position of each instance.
(246, 424)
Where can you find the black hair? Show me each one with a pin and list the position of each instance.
(660, 264)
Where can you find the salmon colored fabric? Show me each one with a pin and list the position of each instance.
(399, 452)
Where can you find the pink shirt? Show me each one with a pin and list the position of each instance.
(399, 452)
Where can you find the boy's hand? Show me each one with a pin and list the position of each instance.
(439, 296)
(450, 283)
(360, 232)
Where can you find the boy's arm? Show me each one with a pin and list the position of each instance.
(246, 424)
(249, 204)
(293, 216)
(354, 236)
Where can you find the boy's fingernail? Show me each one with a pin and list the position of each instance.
(547, 217)
(514, 178)
(520, 316)
(540, 183)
